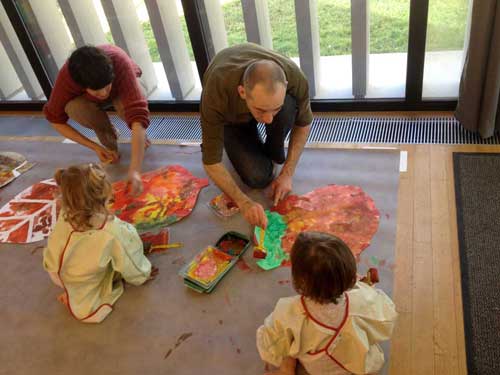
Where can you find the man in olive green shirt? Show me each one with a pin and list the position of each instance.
(244, 85)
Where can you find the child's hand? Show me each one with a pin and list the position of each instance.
(63, 299)
(153, 274)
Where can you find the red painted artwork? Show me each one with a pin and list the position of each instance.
(155, 242)
(169, 195)
(30, 215)
(343, 210)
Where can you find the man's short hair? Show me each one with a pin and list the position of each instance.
(323, 267)
(90, 68)
(265, 72)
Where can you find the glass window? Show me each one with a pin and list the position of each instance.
(17, 79)
(150, 33)
(335, 39)
(444, 55)
(389, 25)
(234, 22)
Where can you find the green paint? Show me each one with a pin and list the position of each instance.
(155, 223)
(374, 260)
(275, 230)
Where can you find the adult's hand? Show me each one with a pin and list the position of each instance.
(134, 183)
(106, 156)
(254, 213)
(280, 187)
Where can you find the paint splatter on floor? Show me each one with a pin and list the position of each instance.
(226, 298)
(238, 350)
(179, 261)
(242, 265)
(179, 341)
(379, 263)
(283, 282)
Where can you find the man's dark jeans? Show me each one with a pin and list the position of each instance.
(251, 157)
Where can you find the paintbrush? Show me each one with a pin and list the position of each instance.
(157, 248)
(259, 251)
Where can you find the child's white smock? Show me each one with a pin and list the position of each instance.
(88, 265)
(331, 338)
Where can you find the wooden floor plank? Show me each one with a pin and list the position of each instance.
(401, 345)
(423, 312)
(445, 323)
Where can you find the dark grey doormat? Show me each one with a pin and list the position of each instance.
(477, 190)
(38, 335)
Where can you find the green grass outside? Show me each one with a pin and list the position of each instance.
(388, 26)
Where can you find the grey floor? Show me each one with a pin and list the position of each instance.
(205, 334)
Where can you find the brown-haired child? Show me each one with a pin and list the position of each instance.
(90, 249)
(335, 324)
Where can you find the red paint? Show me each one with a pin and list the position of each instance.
(233, 246)
(238, 350)
(223, 206)
(242, 265)
(169, 195)
(179, 260)
(150, 239)
(208, 265)
(345, 211)
(226, 298)
(206, 270)
(179, 341)
(29, 212)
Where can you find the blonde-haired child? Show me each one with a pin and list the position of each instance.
(90, 249)
(334, 325)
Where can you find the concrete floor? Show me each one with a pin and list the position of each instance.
(207, 334)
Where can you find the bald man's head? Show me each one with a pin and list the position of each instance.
(265, 73)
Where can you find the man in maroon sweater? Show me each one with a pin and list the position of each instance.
(90, 81)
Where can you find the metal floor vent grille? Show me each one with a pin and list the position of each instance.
(438, 130)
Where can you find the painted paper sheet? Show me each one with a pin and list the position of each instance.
(343, 210)
(276, 229)
(170, 194)
(12, 165)
(30, 216)
(155, 242)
